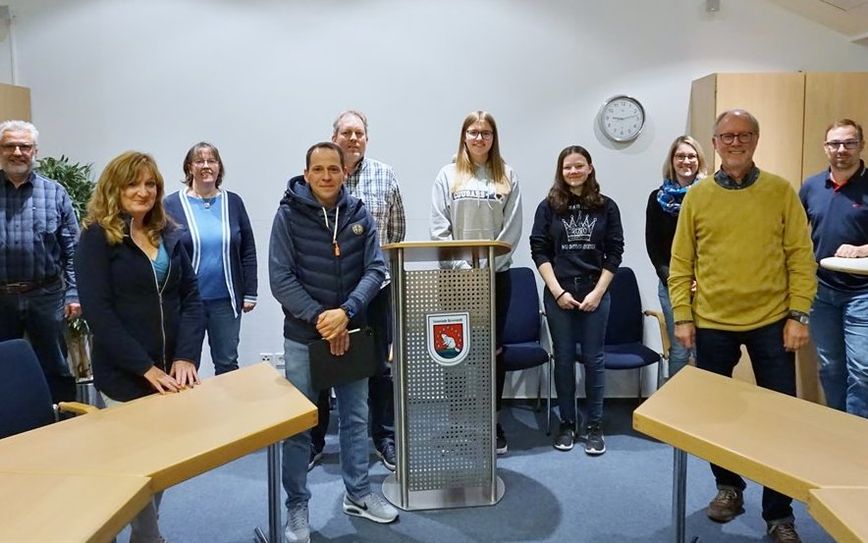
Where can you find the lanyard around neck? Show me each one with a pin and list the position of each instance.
(336, 247)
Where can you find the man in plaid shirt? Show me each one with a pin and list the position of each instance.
(375, 184)
(38, 235)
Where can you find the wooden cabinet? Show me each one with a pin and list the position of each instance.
(793, 110)
(14, 103)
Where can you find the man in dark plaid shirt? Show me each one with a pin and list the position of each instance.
(38, 235)
(375, 184)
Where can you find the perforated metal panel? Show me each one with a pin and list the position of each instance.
(449, 408)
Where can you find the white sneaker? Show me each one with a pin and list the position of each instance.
(297, 524)
(371, 507)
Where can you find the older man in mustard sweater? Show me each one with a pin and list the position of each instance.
(743, 238)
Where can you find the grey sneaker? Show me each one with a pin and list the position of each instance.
(297, 524)
(371, 507)
(595, 444)
(566, 437)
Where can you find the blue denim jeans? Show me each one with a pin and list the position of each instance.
(678, 354)
(588, 329)
(223, 330)
(718, 351)
(39, 315)
(839, 328)
(352, 431)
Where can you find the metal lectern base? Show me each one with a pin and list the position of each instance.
(447, 498)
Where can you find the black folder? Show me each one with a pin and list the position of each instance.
(359, 362)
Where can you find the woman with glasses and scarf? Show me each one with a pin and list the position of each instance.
(684, 165)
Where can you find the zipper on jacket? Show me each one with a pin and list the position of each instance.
(159, 292)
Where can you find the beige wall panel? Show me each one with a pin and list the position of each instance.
(703, 98)
(14, 102)
(830, 96)
(777, 101)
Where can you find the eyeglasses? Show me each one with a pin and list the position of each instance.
(848, 144)
(484, 134)
(23, 147)
(682, 157)
(359, 134)
(742, 137)
(206, 162)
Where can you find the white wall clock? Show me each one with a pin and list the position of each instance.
(621, 118)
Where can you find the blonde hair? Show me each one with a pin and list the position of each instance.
(105, 208)
(464, 165)
(669, 170)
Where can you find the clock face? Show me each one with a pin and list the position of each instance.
(622, 118)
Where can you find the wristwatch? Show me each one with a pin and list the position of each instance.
(801, 318)
(348, 311)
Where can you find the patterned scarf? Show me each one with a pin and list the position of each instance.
(670, 195)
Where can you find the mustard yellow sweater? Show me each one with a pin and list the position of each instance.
(749, 251)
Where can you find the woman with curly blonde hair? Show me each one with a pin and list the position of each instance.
(138, 293)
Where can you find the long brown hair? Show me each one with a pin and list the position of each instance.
(105, 208)
(559, 195)
(463, 163)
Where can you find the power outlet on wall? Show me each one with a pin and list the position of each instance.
(266, 357)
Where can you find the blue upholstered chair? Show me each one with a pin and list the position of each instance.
(25, 401)
(624, 348)
(522, 335)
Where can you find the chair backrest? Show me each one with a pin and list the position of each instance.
(625, 312)
(25, 401)
(523, 317)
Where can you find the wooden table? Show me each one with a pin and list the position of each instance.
(765, 436)
(857, 266)
(841, 511)
(174, 437)
(55, 507)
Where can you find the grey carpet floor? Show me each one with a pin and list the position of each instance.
(622, 496)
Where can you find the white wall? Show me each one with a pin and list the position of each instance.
(263, 80)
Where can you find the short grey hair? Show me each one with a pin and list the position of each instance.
(347, 113)
(20, 126)
(737, 113)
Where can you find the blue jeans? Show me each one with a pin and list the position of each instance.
(588, 329)
(678, 354)
(839, 328)
(223, 330)
(352, 431)
(718, 351)
(39, 315)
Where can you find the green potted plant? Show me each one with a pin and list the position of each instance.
(77, 179)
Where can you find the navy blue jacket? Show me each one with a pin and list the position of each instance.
(306, 276)
(135, 325)
(578, 243)
(241, 251)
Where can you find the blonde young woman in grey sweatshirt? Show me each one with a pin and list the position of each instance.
(477, 197)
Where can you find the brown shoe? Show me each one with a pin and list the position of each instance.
(728, 504)
(784, 532)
